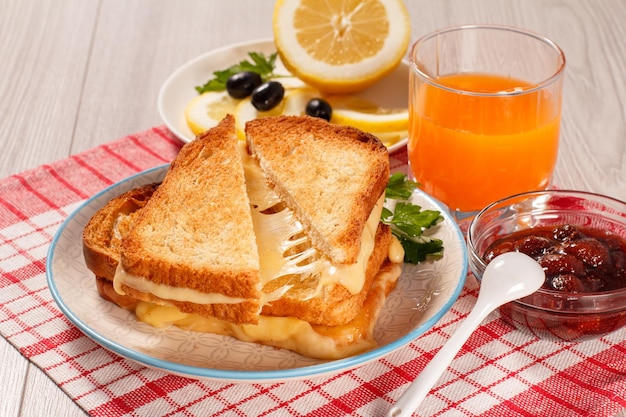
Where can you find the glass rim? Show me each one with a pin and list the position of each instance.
(554, 77)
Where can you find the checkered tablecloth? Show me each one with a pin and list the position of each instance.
(499, 372)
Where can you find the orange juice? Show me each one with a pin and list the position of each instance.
(470, 149)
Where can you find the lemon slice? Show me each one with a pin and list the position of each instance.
(341, 46)
(391, 138)
(297, 99)
(294, 103)
(367, 116)
(206, 110)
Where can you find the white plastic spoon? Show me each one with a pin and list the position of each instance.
(508, 277)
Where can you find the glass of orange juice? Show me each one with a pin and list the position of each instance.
(484, 114)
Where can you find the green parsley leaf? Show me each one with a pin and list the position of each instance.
(418, 251)
(408, 221)
(412, 220)
(261, 64)
(399, 187)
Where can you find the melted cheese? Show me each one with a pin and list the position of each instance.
(352, 276)
(287, 332)
(396, 251)
(169, 292)
(278, 235)
(279, 232)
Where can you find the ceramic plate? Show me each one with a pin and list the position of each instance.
(423, 294)
(178, 90)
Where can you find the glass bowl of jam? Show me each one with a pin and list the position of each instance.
(579, 239)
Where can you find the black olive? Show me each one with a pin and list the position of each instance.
(318, 107)
(242, 84)
(267, 96)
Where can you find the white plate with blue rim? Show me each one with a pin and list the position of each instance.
(178, 90)
(424, 293)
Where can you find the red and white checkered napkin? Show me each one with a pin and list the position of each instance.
(500, 372)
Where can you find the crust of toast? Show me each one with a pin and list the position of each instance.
(183, 237)
(331, 176)
(335, 305)
(106, 291)
(101, 235)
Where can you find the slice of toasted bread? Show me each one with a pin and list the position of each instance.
(331, 176)
(195, 234)
(102, 236)
(103, 232)
(107, 292)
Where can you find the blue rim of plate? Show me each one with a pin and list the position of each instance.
(282, 375)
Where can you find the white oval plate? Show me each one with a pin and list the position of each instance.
(423, 294)
(179, 88)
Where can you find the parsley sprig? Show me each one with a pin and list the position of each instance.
(408, 221)
(261, 64)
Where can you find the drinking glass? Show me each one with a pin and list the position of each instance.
(484, 114)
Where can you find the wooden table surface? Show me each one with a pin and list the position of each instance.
(75, 74)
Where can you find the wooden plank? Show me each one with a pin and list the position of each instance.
(43, 59)
(42, 397)
(140, 43)
(13, 377)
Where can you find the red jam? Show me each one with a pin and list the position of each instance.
(574, 259)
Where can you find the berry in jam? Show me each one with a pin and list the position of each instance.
(574, 259)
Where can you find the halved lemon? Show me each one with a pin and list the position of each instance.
(341, 46)
(206, 110)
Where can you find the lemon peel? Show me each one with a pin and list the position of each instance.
(367, 116)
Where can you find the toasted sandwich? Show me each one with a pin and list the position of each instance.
(275, 240)
(193, 245)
